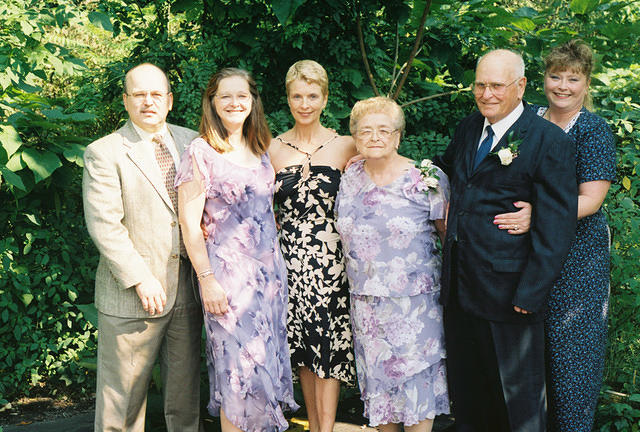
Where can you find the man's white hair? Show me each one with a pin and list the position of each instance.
(519, 67)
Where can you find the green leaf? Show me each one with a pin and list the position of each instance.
(26, 299)
(90, 313)
(43, 164)
(354, 76)
(15, 163)
(524, 24)
(12, 178)
(32, 219)
(626, 182)
(10, 139)
(283, 9)
(75, 154)
(72, 295)
(5, 315)
(53, 114)
(82, 116)
(101, 19)
(526, 12)
(582, 7)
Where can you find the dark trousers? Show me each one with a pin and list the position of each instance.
(496, 373)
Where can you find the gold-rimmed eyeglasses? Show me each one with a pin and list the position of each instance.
(496, 88)
(382, 133)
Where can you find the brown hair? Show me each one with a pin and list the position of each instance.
(375, 105)
(309, 71)
(255, 129)
(574, 55)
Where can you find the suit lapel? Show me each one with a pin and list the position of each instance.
(517, 130)
(471, 147)
(143, 159)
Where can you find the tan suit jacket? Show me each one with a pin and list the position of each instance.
(131, 220)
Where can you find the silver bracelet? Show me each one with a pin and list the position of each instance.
(204, 274)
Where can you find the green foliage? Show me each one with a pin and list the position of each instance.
(60, 87)
(46, 262)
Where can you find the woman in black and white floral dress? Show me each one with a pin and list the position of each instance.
(308, 160)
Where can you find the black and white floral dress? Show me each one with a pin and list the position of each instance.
(318, 318)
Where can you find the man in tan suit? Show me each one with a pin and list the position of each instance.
(147, 307)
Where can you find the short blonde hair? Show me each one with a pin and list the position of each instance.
(309, 71)
(377, 105)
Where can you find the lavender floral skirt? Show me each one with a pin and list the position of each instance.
(400, 357)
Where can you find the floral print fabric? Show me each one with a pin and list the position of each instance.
(247, 351)
(394, 274)
(318, 319)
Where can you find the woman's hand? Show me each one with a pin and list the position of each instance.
(517, 222)
(214, 298)
(353, 160)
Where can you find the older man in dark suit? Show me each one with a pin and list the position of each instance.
(494, 284)
(147, 308)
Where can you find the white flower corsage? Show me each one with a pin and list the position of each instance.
(510, 152)
(429, 174)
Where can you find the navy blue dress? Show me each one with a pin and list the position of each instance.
(576, 323)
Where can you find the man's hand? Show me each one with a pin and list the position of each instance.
(152, 296)
(521, 311)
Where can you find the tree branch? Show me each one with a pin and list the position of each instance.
(414, 51)
(364, 55)
(395, 61)
(434, 96)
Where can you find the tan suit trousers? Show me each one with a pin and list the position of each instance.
(127, 351)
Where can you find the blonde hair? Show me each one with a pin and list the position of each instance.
(255, 128)
(576, 56)
(377, 105)
(309, 71)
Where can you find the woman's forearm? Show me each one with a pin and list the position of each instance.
(591, 195)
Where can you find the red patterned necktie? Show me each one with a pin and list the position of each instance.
(168, 172)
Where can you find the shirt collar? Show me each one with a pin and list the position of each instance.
(146, 136)
(502, 126)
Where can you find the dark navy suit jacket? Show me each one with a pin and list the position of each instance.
(492, 270)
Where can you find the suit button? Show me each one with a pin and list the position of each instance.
(469, 185)
(173, 223)
(174, 256)
(461, 212)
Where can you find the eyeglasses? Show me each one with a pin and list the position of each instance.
(383, 133)
(497, 89)
(141, 96)
(227, 98)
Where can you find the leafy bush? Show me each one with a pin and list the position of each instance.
(60, 87)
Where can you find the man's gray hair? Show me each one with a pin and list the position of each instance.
(519, 69)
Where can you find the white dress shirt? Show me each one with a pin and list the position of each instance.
(502, 126)
(166, 136)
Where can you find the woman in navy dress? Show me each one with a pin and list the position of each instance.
(576, 323)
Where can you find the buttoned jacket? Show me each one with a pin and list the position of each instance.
(492, 270)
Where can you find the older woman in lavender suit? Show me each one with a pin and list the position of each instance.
(389, 214)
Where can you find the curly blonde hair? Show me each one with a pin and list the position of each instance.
(375, 105)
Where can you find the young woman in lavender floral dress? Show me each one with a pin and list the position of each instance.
(389, 215)
(226, 180)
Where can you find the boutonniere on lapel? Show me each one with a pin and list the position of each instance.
(510, 152)
(428, 174)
